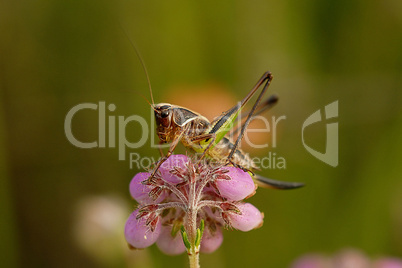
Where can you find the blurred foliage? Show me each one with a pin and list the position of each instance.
(57, 54)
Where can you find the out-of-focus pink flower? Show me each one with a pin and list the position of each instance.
(347, 258)
(351, 258)
(388, 263)
(312, 261)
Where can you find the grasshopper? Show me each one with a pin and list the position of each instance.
(178, 124)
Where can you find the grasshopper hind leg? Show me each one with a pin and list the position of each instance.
(274, 184)
(267, 78)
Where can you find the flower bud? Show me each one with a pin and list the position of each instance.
(250, 217)
(240, 185)
(168, 244)
(137, 234)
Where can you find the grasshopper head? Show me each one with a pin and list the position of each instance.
(164, 121)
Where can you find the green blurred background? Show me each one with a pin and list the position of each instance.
(57, 54)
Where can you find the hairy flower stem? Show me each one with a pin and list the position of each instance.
(190, 225)
(194, 260)
(191, 229)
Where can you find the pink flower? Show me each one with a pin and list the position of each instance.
(186, 204)
(311, 261)
(388, 263)
(345, 259)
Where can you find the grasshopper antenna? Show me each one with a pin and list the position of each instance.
(142, 96)
(137, 52)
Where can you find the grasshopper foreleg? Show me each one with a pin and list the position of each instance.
(160, 148)
(169, 153)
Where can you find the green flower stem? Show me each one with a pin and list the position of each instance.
(190, 225)
(194, 260)
(191, 229)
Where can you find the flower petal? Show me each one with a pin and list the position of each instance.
(137, 234)
(250, 218)
(168, 244)
(140, 192)
(240, 186)
(211, 242)
(175, 160)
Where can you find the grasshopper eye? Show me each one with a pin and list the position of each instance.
(164, 114)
